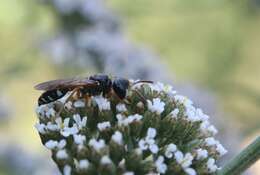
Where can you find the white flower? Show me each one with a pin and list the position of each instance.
(205, 127)
(212, 130)
(201, 115)
(41, 128)
(174, 113)
(191, 114)
(133, 118)
(184, 160)
(161, 167)
(210, 141)
(190, 171)
(97, 145)
(171, 148)
(117, 137)
(183, 100)
(149, 142)
(194, 114)
(53, 144)
(121, 107)
(120, 119)
(129, 173)
(105, 160)
(79, 139)
(62, 154)
(62, 143)
(151, 133)
(201, 153)
(169, 89)
(103, 103)
(41, 110)
(212, 167)
(83, 164)
(50, 113)
(67, 170)
(52, 127)
(68, 105)
(81, 123)
(220, 149)
(125, 121)
(66, 130)
(156, 105)
(103, 126)
(79, 104)
(158, 87)
(143, 145)
(171, 93)
(153, 148)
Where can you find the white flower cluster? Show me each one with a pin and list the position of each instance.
(103, 103)
(60, 125)
(215, 143)
(117, 137)
(156, 106)
(115, 134)
(125, 121)
(149, 141)
(97, 144)
(103, 126)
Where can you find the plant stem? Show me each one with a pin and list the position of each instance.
(243, 160)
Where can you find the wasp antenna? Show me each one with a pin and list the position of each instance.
(142, 81)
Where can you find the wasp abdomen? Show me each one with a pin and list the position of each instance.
(52, 95)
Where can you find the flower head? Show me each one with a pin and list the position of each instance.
(161, 134)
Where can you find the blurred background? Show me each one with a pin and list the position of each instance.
(208, 50)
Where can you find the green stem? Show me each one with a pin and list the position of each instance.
(243, 160)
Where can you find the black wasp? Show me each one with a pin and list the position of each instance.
(94, 85)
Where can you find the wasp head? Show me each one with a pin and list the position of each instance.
(120, 86)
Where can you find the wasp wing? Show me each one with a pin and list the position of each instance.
(65, 83)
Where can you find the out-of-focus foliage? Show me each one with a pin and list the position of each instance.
(15, 160)
(5, 110)
(214, 43)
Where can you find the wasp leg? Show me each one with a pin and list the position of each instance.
(75, 91)
(126, 101)
(87, 98)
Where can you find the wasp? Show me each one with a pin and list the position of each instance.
(94, 85)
